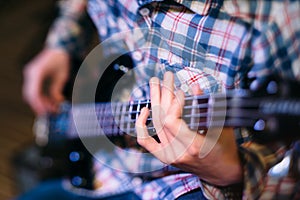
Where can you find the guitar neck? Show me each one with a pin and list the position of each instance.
(236, 109)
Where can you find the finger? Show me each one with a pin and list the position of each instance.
(50, 105)
(167, 91)
(165, 154)
(172, 150)
(158, 114)
(185, 142)
(56, 91)
(155, 97)
(143, 137)
(196, 90)
(177, 104)
(155, 91)
(173, 121)
(182, 132)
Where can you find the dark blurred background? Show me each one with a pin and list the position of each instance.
(23, 27)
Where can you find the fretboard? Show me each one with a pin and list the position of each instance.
(236, 109)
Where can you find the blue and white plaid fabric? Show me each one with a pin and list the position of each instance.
(216, 44)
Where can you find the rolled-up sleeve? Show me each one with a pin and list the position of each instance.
(72, 29)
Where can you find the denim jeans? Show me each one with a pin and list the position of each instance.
(53, 190)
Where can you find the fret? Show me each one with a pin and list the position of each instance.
(117, 118)
(193, 114)
(89, 122)
(88, 117)
(138, 109)
(104, 119)
(108, 120)
(93, 125)
(100, 115)
(149, 120)
(210, 110)
(128, 130)
(114, 122)
(138, 106)
(115, 109)
(122, 121)
(148, 105)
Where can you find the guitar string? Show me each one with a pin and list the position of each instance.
(114, 128)
(206, 105)
(124, 118)
(210, 111)
(243, 109)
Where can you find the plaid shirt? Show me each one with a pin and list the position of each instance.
(218, 45)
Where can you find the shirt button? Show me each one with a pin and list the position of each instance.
(137, 93)
(136, 181)
(137, 55)
(144, 12)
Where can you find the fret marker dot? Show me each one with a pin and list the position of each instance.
(259, 125)
(77, 181)
(74, 156)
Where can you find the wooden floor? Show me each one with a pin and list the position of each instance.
(22, 30)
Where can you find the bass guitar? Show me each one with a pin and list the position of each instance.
(270, 114)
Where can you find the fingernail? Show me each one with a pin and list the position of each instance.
(143, 111)
(154, 81)
(196, 90)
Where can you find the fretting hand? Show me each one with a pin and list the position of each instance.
(182, 147)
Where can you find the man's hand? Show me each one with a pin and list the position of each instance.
(182, 147)
(52, 65)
